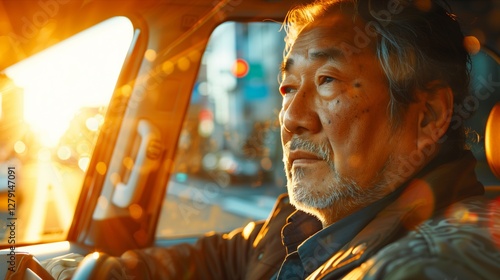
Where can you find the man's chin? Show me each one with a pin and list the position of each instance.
(321, 214)
(303, 199)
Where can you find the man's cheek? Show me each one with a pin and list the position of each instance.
(338, 123)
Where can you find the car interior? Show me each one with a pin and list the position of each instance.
(170, 123)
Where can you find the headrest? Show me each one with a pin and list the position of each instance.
(492, 140)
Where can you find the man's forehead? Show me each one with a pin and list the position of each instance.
(323, 39)
(326, 32)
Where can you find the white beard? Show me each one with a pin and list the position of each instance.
(339, 195)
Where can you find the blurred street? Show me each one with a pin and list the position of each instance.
(46, 195)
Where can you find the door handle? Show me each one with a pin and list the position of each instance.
(146, 161)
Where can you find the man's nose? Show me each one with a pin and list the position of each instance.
(300, 114)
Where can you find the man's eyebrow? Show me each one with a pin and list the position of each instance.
(330, 54)
(334, 54)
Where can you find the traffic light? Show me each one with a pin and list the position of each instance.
(240, 68)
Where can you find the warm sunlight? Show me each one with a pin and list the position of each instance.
(79, 72)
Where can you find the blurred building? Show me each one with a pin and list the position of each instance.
(228, 128)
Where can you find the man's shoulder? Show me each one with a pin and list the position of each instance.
(476, 217)
(459, 242)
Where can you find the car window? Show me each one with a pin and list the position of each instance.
(228, 166)
(52, 107)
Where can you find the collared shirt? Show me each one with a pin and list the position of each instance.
(309, 246)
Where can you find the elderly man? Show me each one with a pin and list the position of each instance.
(374, 156)
(373, 148)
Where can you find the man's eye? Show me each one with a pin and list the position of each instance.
(326, 80)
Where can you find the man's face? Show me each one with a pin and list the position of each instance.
(340, 152)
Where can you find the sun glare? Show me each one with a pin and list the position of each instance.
(79, 72)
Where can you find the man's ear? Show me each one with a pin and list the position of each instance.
(436, 108)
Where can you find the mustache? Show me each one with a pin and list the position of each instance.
(322, 149)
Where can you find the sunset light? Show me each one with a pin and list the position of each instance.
(79, 72)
